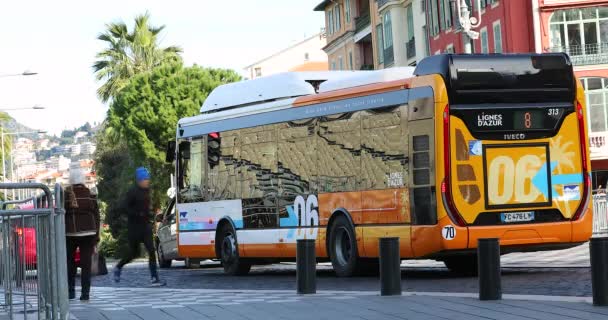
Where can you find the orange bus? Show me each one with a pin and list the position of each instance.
(459, 148)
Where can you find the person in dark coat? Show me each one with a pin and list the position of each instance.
(139, 228)
(81, 230)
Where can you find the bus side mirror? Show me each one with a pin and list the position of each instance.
(170, 156)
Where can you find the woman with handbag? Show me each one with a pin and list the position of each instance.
(82, 231)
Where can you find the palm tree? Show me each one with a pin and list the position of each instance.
(129, 53)
(8, 141)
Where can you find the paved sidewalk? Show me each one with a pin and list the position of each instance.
(170, 304)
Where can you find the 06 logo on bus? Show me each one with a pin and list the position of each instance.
(512, 174)
(307, 210)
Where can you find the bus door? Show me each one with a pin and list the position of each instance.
(297, 200)
(421, 180)
(384, 172)
(258, 183)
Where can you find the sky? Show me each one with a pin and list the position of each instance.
(58, 40)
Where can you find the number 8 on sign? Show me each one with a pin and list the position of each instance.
(448, 232)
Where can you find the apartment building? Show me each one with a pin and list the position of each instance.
(580, 28)
(506, 26)
(400, 32)
(305, 55)
(373, 34)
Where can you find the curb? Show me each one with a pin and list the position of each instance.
(364, 293)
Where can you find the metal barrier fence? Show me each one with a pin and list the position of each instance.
(600, 215)
(33, 271)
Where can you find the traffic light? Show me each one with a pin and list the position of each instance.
(214, 142)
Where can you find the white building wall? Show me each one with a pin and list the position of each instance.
(289, 58)
(420, 31)
(399, 26)
(400, 30)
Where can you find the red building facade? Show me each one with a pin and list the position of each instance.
(506, 26)
(580, 28)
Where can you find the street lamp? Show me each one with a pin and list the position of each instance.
(468, 22)
(24, 73)
(34, 107)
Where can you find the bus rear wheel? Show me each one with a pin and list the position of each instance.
(343, 248)
(464, 265)
(229, 253)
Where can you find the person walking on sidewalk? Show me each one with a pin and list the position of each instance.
(81, 230)
(139, 227)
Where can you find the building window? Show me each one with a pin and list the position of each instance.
(258, 72)
(410, 22)
(433, 19)
(330, 21)
(306, 56)
(333, 65)
(580, 32)
(441, 15)
(497, 37)
(445, 14)
(341, 62)
(449, 48)
(350, 60)
(337, 18)
(380, 44)
(427, 44)
(347, 11)
(596, 92)
(484, 40)
(447, 8)
(388, 30)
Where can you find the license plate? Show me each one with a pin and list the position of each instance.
(509, 217)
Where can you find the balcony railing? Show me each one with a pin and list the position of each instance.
(596, 53)
(389, 56)
(598, 145)
(362, 21)
(382, 2)
(410, 47)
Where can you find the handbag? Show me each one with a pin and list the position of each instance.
(98, 264)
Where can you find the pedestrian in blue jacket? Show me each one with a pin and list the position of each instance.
(139, 209)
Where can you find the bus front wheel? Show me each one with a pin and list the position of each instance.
(229, 253)
(465, 265)
(343, 247)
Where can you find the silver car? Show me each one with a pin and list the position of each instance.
(166, 238)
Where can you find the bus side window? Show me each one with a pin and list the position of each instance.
(258, 176)
(339, 152)
(384, 159)
(297, 161)
(222, 150)
(191, 170)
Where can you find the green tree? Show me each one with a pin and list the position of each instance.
(146, 111)
(129, 53)
(8, 139)
(114, 169)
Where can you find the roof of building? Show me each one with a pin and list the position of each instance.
(281, 51)
(362, 78)
(321, 6)
(311, 66)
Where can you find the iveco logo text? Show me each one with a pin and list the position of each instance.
(489, 120)
(514, 136)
